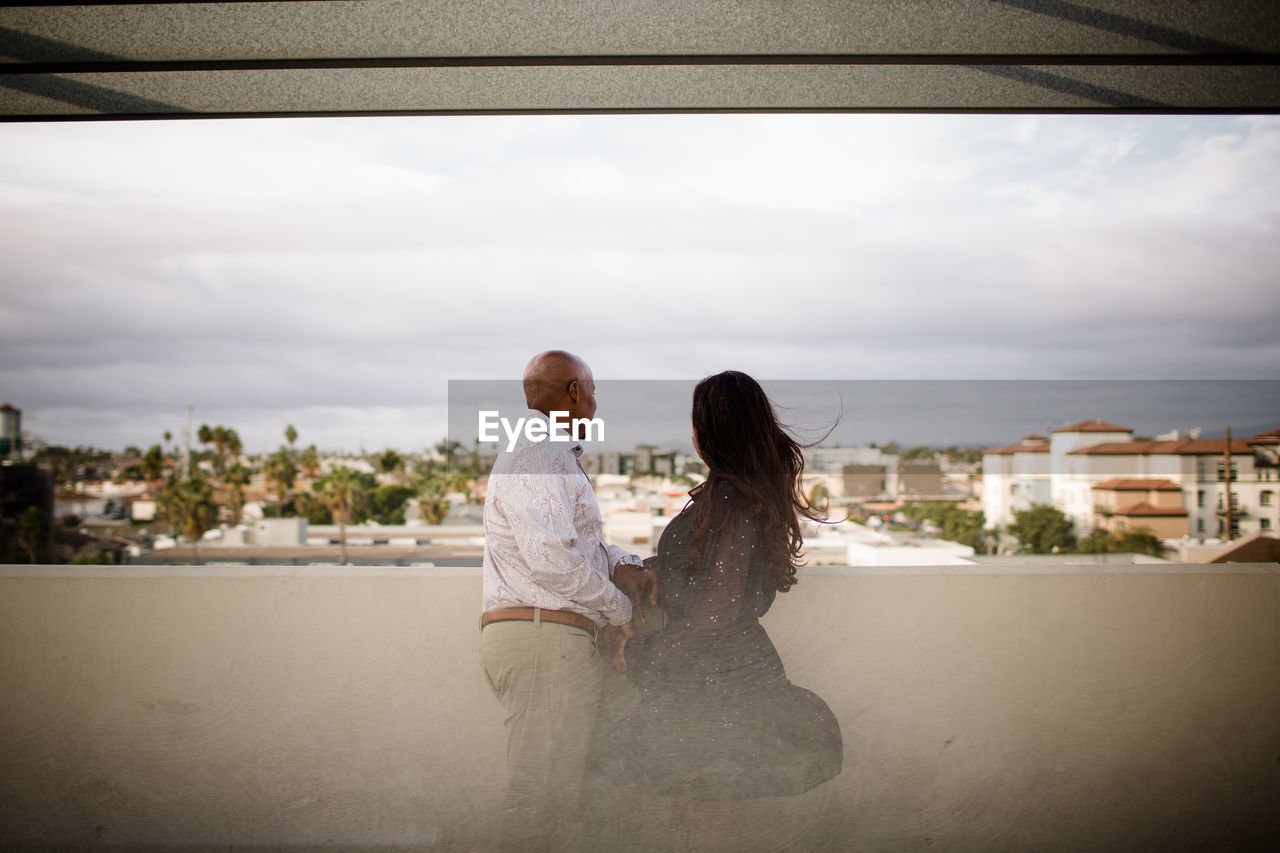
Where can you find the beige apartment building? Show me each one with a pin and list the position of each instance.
(1176, 485)
(1124, 504)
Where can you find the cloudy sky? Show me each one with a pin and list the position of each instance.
(336, 274)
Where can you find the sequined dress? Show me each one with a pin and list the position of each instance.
(718, 719)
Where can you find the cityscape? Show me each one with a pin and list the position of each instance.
(1007, 270)
(1088, 491)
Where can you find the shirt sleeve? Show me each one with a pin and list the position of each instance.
(618, 556)
(542, 519)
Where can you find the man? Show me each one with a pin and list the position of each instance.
(551, 587)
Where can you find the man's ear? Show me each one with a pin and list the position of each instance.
(574, 390)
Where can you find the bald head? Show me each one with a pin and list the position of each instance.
(556, 380)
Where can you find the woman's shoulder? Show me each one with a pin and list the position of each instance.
(729, 502)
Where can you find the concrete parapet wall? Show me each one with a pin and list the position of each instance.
(1078, 709)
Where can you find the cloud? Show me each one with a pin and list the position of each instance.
(293, 268)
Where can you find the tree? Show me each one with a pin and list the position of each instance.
(1138, 541)
(290, 435)
(432, 506)
(475, 464)
(449, 450)
(922, 453)
(152, 464)
(953, 523)
(386, 503)
(820, 497)
(189, 506)
(32, 531)
(220, 434)
(1043, 530)
(343, 491)
(389, 462)
(310, 462)
(235, 480)
(281, 472)
(234, 445)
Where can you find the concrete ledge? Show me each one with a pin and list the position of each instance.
(1131, 708)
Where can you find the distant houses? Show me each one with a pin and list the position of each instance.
(1176, 485)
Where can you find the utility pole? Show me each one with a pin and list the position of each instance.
(1226, 473)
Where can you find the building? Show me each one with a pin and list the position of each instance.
(1123, 504)
(920, 479)
(1015, 477)
(1101, 477)
(10, 434)
(645, 459)
(868, 474)
(22, 487)
(864, 481)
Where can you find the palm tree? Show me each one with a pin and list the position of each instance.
(290, 435)
(342, 492)
(152, 464)
(310, 462)
(236, 478)
(233, 444)
(220, 448)
(281, 470)
(432, 506)
(189, 506)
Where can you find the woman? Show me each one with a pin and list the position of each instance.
(718, 719)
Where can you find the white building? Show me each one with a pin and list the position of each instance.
(1015, 477)
(1082, 457)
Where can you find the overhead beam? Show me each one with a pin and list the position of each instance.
(151, 60)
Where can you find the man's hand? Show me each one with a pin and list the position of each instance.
(614, 639)
(639, 584)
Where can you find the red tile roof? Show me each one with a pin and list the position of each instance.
(1019, 448)
(1146, 510)
(1096, 425)
(1214, 446)
(1114, 448)
(1034, 437)
(1271, 436)
(1180, 447)
(1123, 484)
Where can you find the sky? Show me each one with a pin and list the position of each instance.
(338, 273)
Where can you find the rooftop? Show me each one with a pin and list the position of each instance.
(1179, 447)
(1096, 425)
(1122, 484)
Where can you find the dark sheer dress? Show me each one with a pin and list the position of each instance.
(718, 719)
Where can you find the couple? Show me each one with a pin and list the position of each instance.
(716, 718)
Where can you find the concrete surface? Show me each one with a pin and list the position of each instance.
(1027, 708)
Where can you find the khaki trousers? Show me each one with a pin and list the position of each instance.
(548, 678)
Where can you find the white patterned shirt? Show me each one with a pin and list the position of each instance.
(543, 538)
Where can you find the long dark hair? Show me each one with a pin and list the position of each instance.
(744, 445)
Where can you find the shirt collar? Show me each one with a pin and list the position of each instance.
(575, 448)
